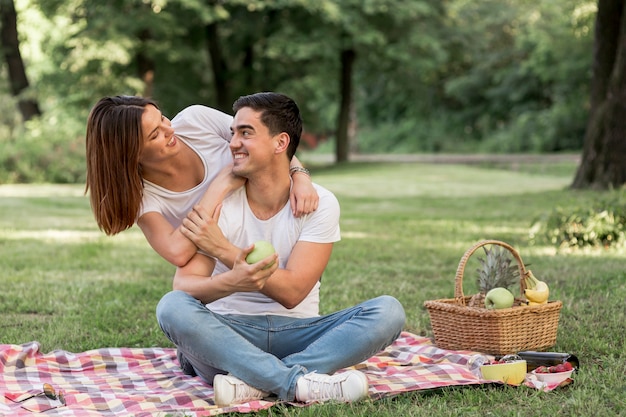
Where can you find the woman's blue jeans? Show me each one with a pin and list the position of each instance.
(271, 352)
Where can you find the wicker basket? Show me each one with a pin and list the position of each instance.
(457, 326)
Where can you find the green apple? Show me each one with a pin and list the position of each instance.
(499, 298)
(262, 249)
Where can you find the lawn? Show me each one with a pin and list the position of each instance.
(404, 228)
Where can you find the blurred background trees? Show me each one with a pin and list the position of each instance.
(382, 76)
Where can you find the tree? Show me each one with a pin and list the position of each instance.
(11, 49)
(145, 64)
(365, 36)
(348, 56)
(602, 165)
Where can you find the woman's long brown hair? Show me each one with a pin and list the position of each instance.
(114, 142)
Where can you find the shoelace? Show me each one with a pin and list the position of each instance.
(321, 389)
(244, 391)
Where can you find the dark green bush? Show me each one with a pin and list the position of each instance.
(46, 150)
(602, 225)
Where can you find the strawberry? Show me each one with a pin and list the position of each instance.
(562, 367)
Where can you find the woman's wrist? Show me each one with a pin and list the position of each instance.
(299, 170)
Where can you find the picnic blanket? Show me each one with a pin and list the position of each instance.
(149, 382)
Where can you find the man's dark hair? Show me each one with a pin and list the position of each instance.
(278, 112)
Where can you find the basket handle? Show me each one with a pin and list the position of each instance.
(458, 282)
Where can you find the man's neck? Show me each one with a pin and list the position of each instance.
(268, 194)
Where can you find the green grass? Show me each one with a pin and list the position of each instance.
(404, 227)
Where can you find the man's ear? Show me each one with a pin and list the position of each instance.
(282, 142)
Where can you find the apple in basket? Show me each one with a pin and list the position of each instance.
(262, 249)
(499, 298)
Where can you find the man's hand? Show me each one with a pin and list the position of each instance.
(251, 277)
(195, 277)
(201, 228)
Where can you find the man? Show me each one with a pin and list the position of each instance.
(255, 330)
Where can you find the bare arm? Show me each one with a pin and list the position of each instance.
(201, 228)
(195, 277)
(173, 244)
(223, 184)
(303, 197)
(200, 225)
(168, 242)
(304, 268)
(288, 286)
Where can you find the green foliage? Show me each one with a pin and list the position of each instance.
(49, 149)
(558, 128)
(523, 72)
(429, 76)
(602, 224)
(414, 136)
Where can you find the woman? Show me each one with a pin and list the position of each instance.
(144, 169)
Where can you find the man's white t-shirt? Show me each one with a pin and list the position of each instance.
(241, 227)
(207, 132)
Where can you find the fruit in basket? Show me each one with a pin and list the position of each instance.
(496, 270)
(536, 292)
(499, 298)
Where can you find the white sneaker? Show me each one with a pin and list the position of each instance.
(231, 390)
(345, 387)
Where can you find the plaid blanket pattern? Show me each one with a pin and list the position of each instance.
(148, 381)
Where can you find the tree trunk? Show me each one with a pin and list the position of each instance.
(342, 147)
(602, 164)
(11, 48)
(220, 69)
(145, 64)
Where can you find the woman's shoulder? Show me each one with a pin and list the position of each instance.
(199, 122)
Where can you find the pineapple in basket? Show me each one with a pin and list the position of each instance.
(497, 269)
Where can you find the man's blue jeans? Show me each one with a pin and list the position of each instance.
(271, 352)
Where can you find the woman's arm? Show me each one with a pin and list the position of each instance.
(168, 242)
(177, 247)
(201, 228)
(303, 197)
(200, 225)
